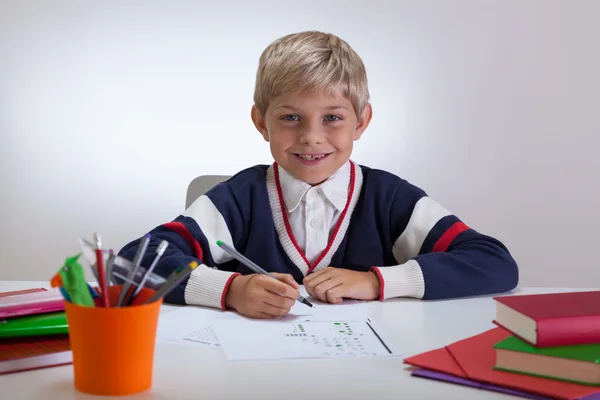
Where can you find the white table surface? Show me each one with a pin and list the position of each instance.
(199, 372)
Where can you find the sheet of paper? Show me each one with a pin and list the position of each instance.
(189, 325)
(194, 325)
(272, 340)
(349, 309)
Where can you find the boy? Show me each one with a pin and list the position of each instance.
(314, 216)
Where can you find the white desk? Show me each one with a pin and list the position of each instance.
(198, 372)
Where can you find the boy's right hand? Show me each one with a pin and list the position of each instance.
(260, 296)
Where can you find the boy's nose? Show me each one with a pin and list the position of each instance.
(311, 136)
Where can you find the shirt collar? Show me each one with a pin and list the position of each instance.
(335, 188)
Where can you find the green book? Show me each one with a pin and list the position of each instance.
(577, 363)
(34, 325)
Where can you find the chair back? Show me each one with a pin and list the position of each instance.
(201, 185)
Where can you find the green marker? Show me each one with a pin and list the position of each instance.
(73, 280)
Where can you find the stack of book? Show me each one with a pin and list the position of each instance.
(33, 330)
(545, 346)
(555, 336)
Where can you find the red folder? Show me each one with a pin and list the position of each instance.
(474, 358)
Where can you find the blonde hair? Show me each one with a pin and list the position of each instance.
(310, 62)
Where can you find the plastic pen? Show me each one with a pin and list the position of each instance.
(109, 265)
(136, 263)
(159, 252)
(172, 282)
(254, 267)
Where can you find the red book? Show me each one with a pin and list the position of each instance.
(553, 319)
(474, 358)
(22, 354)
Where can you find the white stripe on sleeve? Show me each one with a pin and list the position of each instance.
(213, 226)
(426, 213)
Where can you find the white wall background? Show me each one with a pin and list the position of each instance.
(108, 109)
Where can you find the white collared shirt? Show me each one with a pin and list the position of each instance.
(313, 211)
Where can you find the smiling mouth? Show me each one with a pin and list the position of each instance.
(311, 157)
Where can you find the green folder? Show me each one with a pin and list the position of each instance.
(562, 357)
(35, 325)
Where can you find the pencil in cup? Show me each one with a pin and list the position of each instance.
(250, 264)
(101, 274)
(173, 282)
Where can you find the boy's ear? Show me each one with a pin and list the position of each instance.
(259, 122)
(363, 121)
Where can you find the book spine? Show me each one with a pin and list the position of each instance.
(30, 309)
(568, 331)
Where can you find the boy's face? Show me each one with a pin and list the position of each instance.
(311, 135)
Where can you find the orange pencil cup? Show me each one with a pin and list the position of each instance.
(113, 348)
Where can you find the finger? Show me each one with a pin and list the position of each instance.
(310, 290)
(322, 288)
(277, 300)
(317, 280)
(314, 275)
(258, 315)
(278, 287)
(336, 294)
(286, 278)
(273, 311)
(262, 315)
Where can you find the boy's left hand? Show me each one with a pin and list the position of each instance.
(332, 285)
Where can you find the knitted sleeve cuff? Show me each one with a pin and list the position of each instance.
(404, 280)
(208, 287)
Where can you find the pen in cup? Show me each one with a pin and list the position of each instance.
(172, 282)
(160, 250)
(136, 263)
(233, 252)
(109, 266)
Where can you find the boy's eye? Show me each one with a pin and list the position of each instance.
(290, 117)
(332, 118)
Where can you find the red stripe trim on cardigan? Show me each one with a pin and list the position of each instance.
(337, 227)
(181, 229)
(339, 224)
(226, 288)
(288, 228)
(451, 233)
(381, 282)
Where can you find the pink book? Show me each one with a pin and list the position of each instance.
(30, 301)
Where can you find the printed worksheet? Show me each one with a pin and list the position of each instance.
(189, 325)
(192, 325)
(349, 309)
(271, 340)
